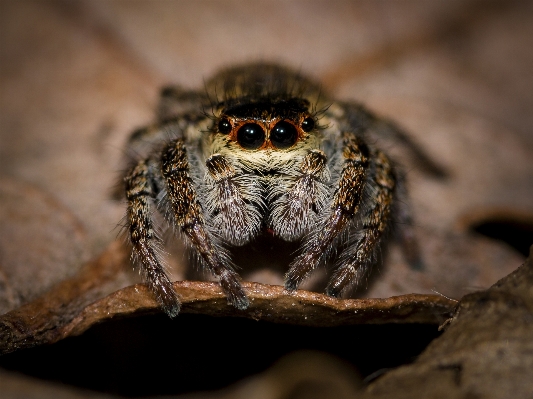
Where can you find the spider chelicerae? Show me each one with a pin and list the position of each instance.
(263, 150)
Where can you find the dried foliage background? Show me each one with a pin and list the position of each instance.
(77, 77)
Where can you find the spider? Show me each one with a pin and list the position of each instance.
(263, 150)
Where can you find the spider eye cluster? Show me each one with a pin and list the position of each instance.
(252, 136)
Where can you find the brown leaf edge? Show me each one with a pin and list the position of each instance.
(76, 304)
(486, 350)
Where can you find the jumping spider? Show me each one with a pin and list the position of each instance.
(261, 150)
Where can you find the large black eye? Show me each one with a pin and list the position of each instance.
(308, 124)
(251, 136)
(283, 135)
(224, 126)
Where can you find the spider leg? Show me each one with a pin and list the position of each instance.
(189, 218)
(146, 244)
(356, 118)
(359, 256)
(345, 205)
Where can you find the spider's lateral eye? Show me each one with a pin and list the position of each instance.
(283, 135)
(251, 136)
(308, 124)
(224, 126)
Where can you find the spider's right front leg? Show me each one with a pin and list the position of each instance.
(189, 219)
(345, 205)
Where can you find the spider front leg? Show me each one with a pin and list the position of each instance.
(189, 219)
(344, 207)
(359, 256)
(140, 190)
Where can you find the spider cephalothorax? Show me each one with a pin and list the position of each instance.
(261, 149)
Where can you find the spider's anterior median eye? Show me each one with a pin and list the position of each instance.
(283, 135)
(251, 136)
(224, 126)
(308, 124)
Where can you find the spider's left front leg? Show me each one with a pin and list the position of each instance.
(190, 219)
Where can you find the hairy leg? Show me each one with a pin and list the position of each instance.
(145, 242)
(344, 207)
(356, 118)
(360, 255)
(189, 219)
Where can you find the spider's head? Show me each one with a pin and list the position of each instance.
(266, 123)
